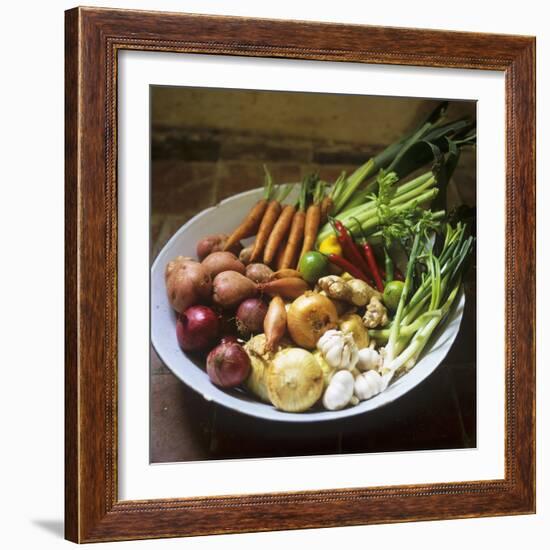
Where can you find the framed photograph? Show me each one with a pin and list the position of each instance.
(300, 275)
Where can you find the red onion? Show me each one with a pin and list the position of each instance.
(228, 365)
(229, 340)
(197, 328)
(250, 316)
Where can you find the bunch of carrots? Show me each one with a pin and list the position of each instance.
(284, 232)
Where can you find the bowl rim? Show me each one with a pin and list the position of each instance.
(265, 411)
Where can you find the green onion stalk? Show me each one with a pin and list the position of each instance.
(419, 312)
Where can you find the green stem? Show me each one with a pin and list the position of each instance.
(353, 182)
(268, 184)
(394, 331)
(404, 194)
(406, 330)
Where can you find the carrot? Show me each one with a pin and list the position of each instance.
(268, 222)
(296, 234)
(278, 261)
(313, 220)
(280, 231)
(295, 239)
(250, 224)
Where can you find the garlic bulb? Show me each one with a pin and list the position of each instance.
(368, 359)
(369, 384)
(338, 349)
(339, 391)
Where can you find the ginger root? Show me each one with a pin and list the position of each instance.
(352, 291)
(376, 314)
(335, 287)
(353, 324)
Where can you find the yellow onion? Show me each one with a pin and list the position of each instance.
(294, 380)
(259, 364)
(309, 317)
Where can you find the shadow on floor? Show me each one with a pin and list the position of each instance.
(55, 527)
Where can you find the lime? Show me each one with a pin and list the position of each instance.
(392, 293)
(313, 265)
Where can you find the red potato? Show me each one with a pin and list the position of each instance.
(222, 261)
(187, 283)
(215, 243)
(177, 262)
(230, 288)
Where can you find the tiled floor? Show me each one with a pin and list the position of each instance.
(438, 414)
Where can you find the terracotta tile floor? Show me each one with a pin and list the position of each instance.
(440, 413)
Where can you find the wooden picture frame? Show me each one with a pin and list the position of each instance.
(93, 511)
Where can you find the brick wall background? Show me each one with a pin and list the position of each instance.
(208, 144)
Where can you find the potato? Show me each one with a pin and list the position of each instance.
(187, 283)
(222, 261)
(177, 262)
(230, 288)
(215, 243)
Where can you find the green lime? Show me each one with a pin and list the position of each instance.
(313, 265)
(392, 293)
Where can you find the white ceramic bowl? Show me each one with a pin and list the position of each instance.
(223, 218)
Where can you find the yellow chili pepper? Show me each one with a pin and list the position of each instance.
(330, 245)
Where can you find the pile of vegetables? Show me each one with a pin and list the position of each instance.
(341, 290)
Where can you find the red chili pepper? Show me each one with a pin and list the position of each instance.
(371, 260)
(347, 266)
(349, 248)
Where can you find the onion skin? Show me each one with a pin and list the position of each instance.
(229, 340)
(275, 323)
(259, 273)
(294, 380)
(222, 261)
(288, 287)
(197, 328)
(309, 317)
(250, 316)
(230, 288)
(228, 365)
